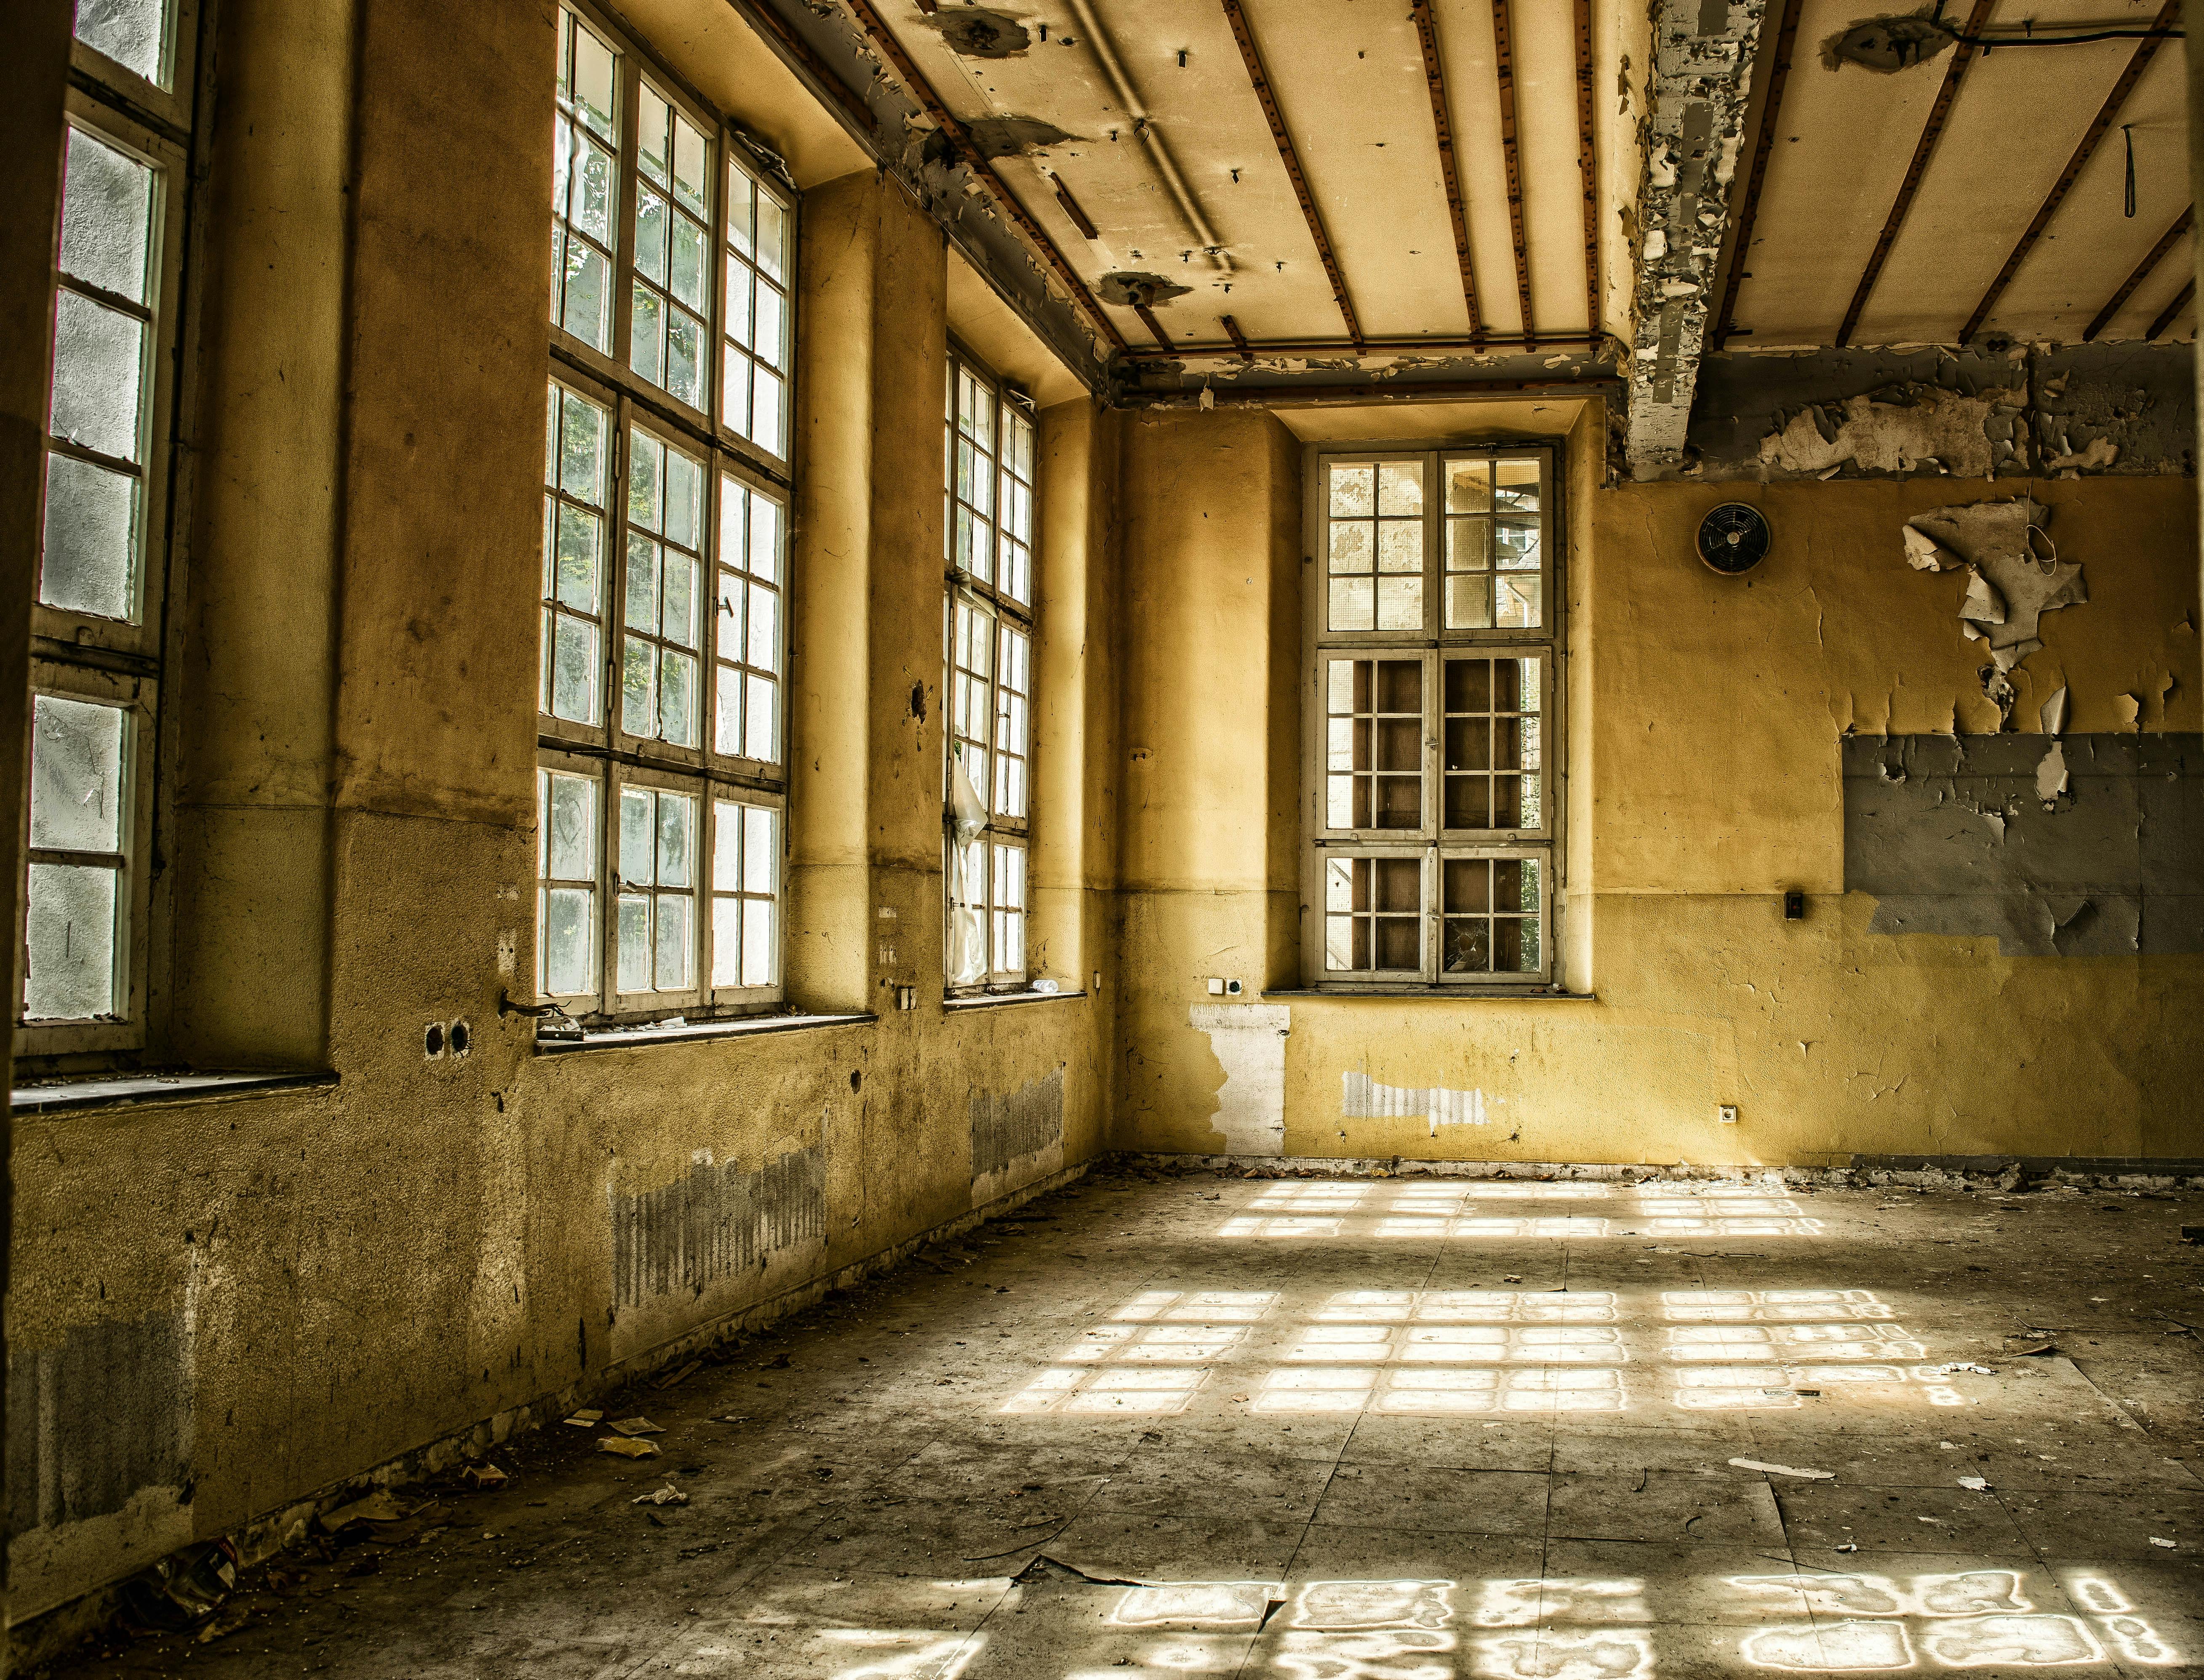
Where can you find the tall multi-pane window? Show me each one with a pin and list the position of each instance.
(661, 788)
(96, 672)
(1434, 632)
(988, 475)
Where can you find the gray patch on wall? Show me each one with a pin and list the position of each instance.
(1007, 1128)
(97, 1420)
(1950, 835)
(713, 1222)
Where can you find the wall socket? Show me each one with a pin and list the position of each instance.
(1726, 1113)
(1223, 988)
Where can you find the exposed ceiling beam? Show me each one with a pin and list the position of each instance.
(922, 91)
(1364, 395)
(2168, 15)
(1588, 166)
(1923, 149)
(1238, 339)
(2166, 315)
(1427, 32)
(1771, 115)
(1155, 327)
(1700, 86)
(1291, 158)
(1379, 346)
(1503, 64)
(2141, 273)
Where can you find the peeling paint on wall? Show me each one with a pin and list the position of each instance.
(1008, 1128)
(1903, 429)
(100, 1437)
(1249, 1042)
(1953, 835)
(1364, 1098)
(2009, 588)
(713, 1222)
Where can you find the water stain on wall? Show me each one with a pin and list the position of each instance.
(713, 1222)
(99, 1419)
(1005, 1129)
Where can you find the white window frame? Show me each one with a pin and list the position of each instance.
(998, 889)
(1431, 644)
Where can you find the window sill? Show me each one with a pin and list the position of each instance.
(950, 1005)
(759, 1026)
(1432, 994)
(135, 1090)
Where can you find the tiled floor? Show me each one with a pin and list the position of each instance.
(1414, 1428)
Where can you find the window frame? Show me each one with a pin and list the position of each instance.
(1005, 614)
(634, 58)
(1433, 645)
(172, 104)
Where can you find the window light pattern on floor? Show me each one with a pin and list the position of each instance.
(1477, 1210)
(1498, 1352)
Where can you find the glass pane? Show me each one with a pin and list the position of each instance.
(639, 688)
(1469, 487)
(1517, 485)
(1469, 545)
(646, 476)
(677, 831)
(652, 214)
(642, 582)
(690, 168)
(1515, 544)
(768, 336)
(742, 199)
(1350, 547)
(107, 208)
(765, 538)
(588, 295)
(1354, 604)
(568, 939)
(651, 144)
(638, 837)
(635, 965)
(593, 80)
(76, 775)
(762, 720)
(99, 367)
(727, 712)
(1399, 603)
(1353, 490)
(91, 539)
(687, 273)
(579, 534)
(675, 942)
(764, 647)
(1520, 601)
(678, 614)
(573, 844)
(771, 238)
(736, 309)
(1400, 487)
(595, 181)
(1469, 603)
(1400, 545)
(574, 670)
(685, 358)
(760, 948)
(582, 450)
(677, 700)
(726, 942)
(129, 32)
(726, 845)
(646, 351)
(1468, 946)
(761, 849)
(765, 411)
(69, 937)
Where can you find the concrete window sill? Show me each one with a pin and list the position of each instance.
(694, 1032)
(123, 1091)
(1432, 994)
(997, 999)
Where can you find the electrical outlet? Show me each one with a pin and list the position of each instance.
(1726, 1113)
(1216, 987)
(1232, 988)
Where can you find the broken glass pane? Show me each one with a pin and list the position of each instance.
(69, 942)
(91, 539)
(130, 31)
(76, 775)
(107, 208)
(99, 367)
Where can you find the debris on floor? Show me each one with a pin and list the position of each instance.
(586, 1420)
(180, 1590)
(627, 1447)
(485, 1476)
(635, 1426)
(1784, 1470)
(668, 1495)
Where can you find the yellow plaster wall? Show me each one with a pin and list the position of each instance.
(1703, 758)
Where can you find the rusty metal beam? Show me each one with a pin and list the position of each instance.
(1504, 60)
(2166, 315)
(1427, 32)
(969, 155)
(1238, 339)
(1931, 132)
(2168, 15)
(1155, 327)
(2142, 272)
(1588, 166)
(1080, 219)
(1771, 112)
(1256, 74)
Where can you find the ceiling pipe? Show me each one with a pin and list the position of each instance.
(1144, 126)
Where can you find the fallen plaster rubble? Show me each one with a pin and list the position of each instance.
(1907, 428)
(2008, 589)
